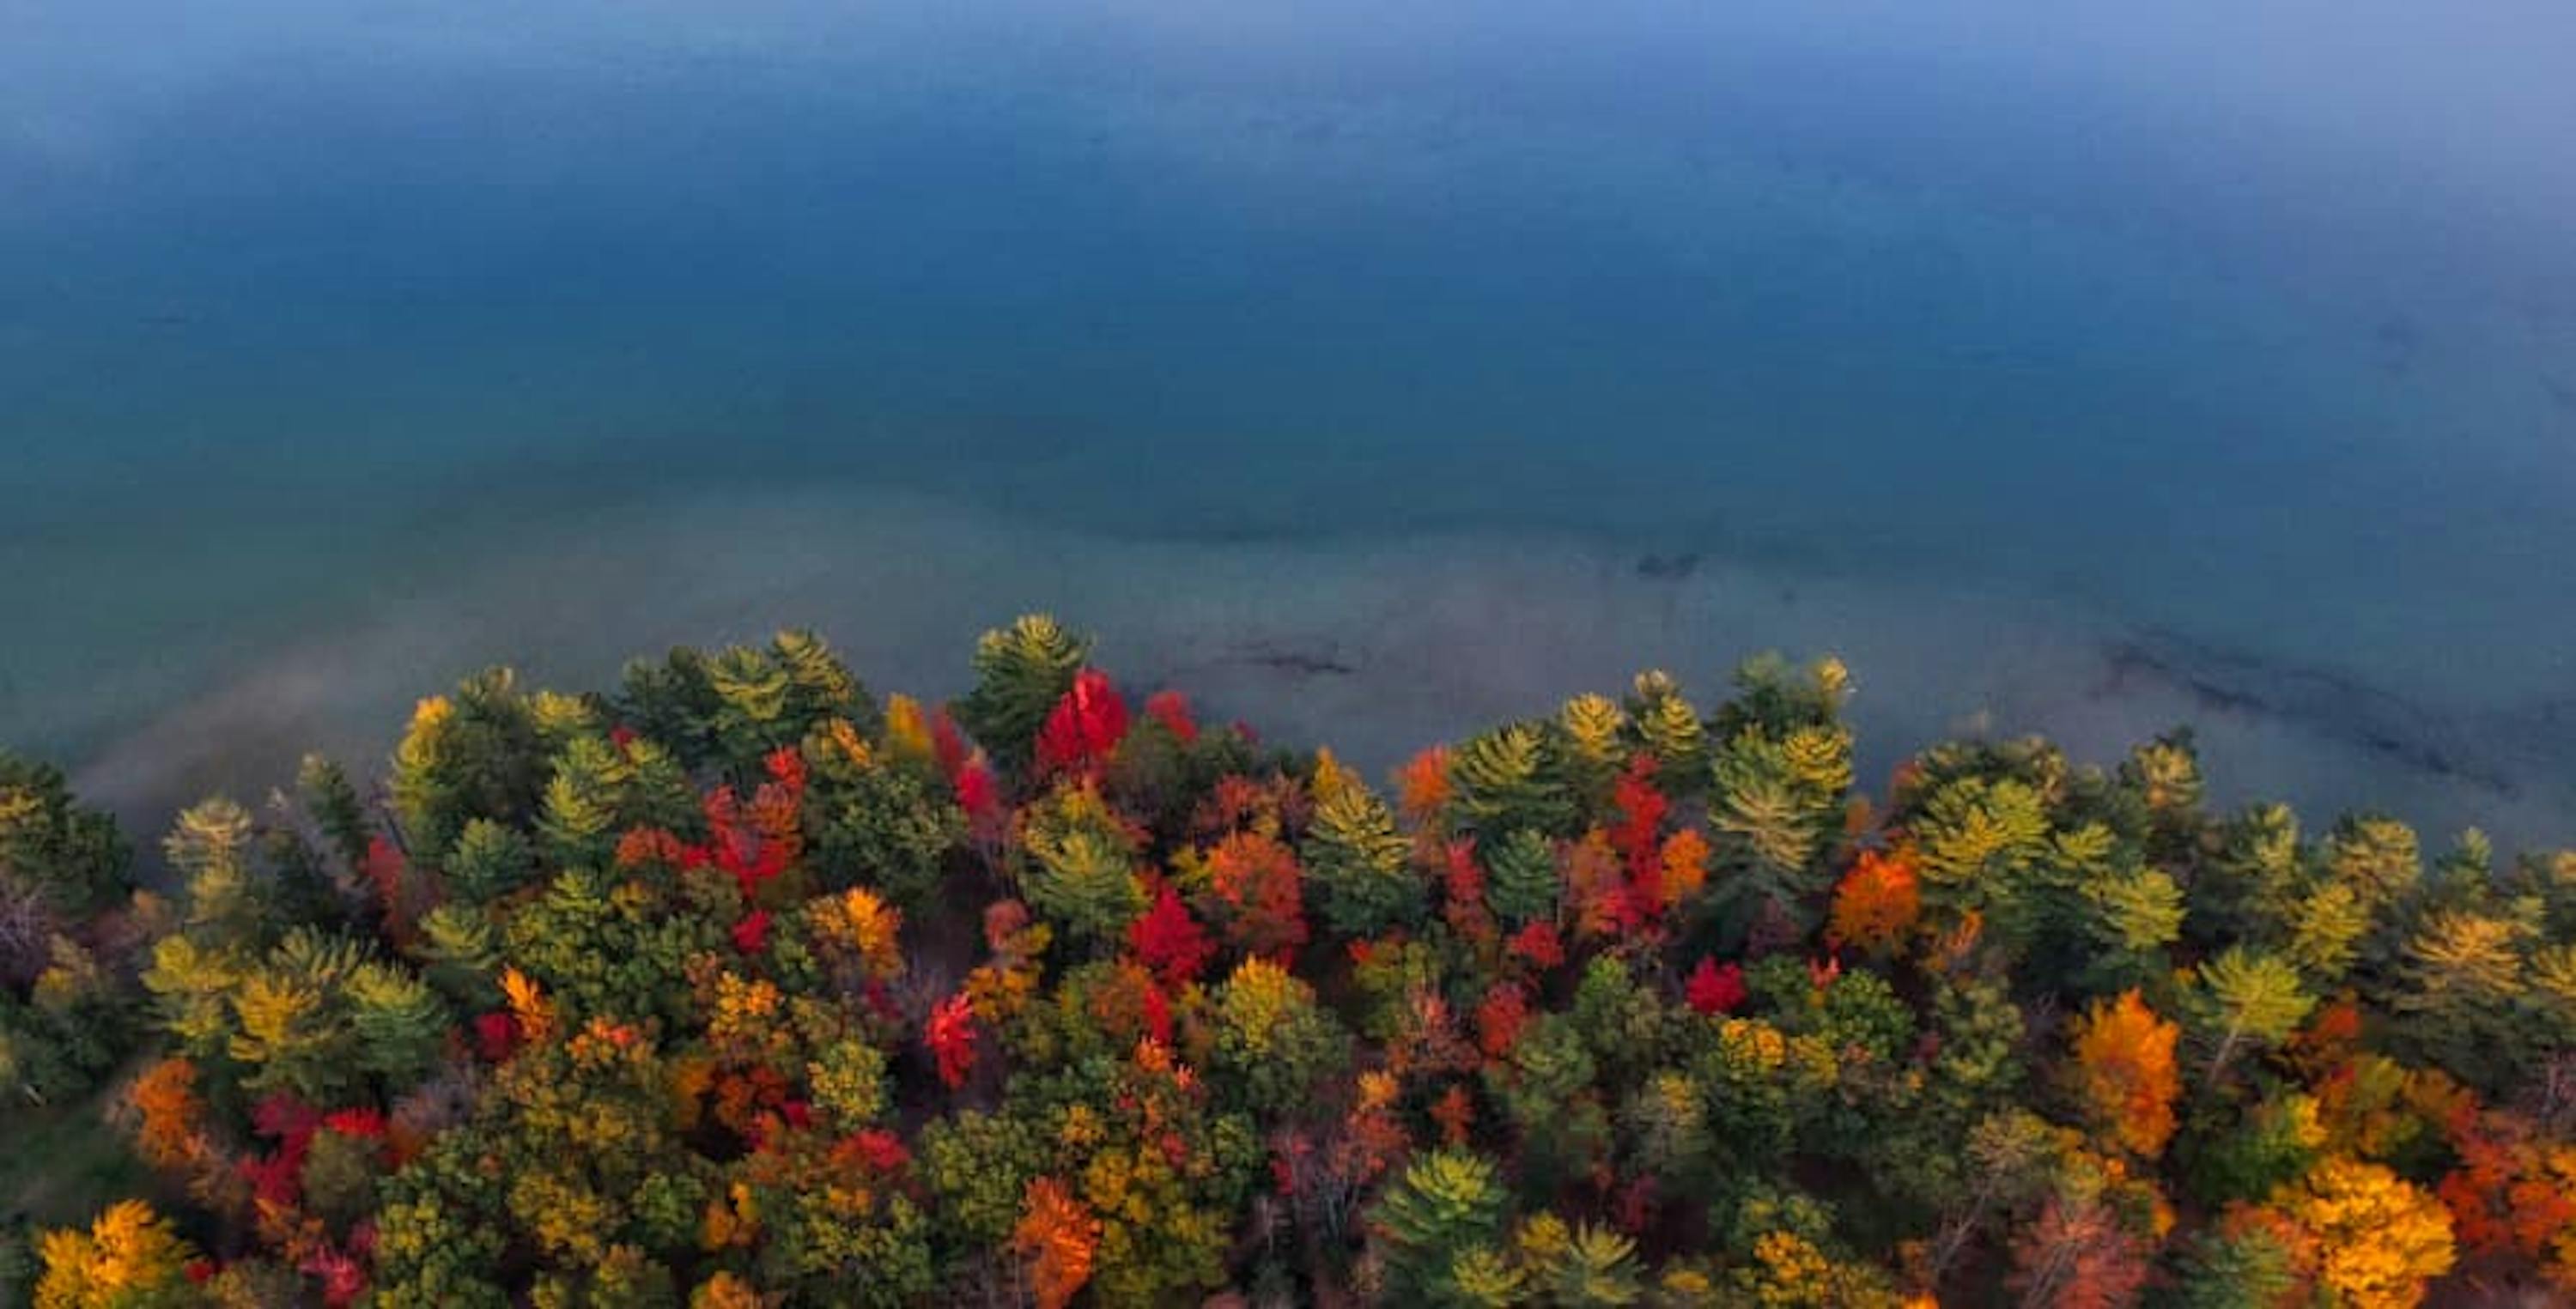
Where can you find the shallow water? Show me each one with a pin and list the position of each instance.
(2102, 370)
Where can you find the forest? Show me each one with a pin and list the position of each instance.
(739, 985)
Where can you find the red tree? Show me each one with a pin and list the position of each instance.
(951, 1037)
(1259, 893)
(1714, 990)
(1169, 941)
(1084, 727)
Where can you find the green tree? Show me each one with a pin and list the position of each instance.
(1668, 728)
(401, 1026)
(1360, 867)
(70, 856)
(1443, 1203)
(1522, 882)
(1020, 673)
(1509, 779)
(2244, 999)
(491, 861)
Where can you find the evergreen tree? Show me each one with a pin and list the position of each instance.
(69, 856)
(1522, 882)
(1360, 867)
(1443, 1204)
(1667, 727)
(1020, 673)
(400, 1025)
(333, 801)
(2244, 999)
(489, 861)
(1507, 780)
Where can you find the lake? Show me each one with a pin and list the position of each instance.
(1368, 374)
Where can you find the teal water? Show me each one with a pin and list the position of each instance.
(2251, 336)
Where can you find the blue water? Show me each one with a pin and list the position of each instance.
(2258, 329)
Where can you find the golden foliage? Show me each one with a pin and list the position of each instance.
(2125, 1074)
(1877, 902)
(129, 1255)
(2379, 1238)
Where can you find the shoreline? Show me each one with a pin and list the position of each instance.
(1374, 646)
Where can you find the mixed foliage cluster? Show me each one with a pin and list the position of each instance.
(739, 986)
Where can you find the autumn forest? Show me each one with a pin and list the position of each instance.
(742, 985)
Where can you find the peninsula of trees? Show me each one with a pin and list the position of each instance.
(741, 986)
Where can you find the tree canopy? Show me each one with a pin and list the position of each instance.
(737, 985)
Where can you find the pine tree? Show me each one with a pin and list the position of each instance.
(488, 862)
(2257, 879)
(1443, 1203)
(752, 703)
(1523, 883)
(1361, 867)
(2462, 993)
(1594, 730)
(334, 803)
(2325, 931)
(819, 685)
(1667, 726)
(2132, 916)
(462, 954)
(191, 987)
(1777, 799)
(1482, 1277)
(2234, 1266)
(210, 845)
(2245, 998)
(2377, 857)
(1506, 780)
(581, 804)
(1020, 673)
(401, 1027)
(1081, 872)
(1590, 1267)
(1977, 837)
(70, 857)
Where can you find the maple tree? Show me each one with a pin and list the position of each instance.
(2125, 1075)
(1877, 902)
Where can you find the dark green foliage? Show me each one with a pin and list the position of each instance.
(2246, 1268)
(1020, 673)
(481, 752)
(886, 827)
(489, 861)
(333, 801)
(1513, 779)
(729, 710)
(1359, 866)
(69, 856)
(1522, 882)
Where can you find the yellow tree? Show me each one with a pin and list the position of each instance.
(128, 1258)
(2379, 1238)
